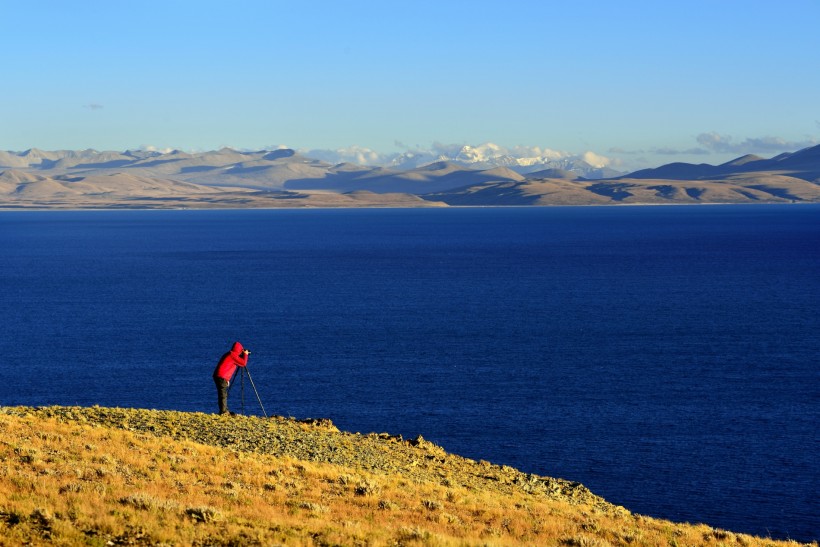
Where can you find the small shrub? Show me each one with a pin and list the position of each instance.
(431, 505)
(72, 488)
(414, 533)
(386, 505)
(27, 455)
(11, 518)
(138, 501)
(590, 526)
(344, 480)
(630, 536)
(722, 535)
(451, 519)
(366, 488)
(203, 514)
(295, 486)
(313, 507)
(42, 516)
(145, 502)
(584, 541)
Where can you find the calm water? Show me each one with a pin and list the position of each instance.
(666, 357)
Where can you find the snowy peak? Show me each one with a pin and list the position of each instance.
(479, 154)
(522, 160)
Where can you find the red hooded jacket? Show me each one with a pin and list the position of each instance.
(226, 367)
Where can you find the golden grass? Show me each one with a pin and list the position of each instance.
(67, 483)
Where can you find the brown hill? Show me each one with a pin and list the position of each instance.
(9, 159)
(803, 164)
(124, 190)
(281, 177)
(110, 476)
(741, 188)
(14, 176)
(436, 177)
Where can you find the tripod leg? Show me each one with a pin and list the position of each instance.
(257, 393)
(242, 389)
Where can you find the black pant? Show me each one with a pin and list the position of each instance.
(222, 394)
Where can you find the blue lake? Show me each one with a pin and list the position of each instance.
(665, 357)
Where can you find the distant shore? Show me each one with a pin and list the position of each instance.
(39, 208)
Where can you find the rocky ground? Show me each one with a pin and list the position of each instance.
(320, 441)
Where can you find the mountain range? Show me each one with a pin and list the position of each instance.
(490, 155)
(286, 178)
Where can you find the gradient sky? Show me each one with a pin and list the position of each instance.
(640, 82)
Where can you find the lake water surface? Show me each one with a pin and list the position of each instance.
(665, 357)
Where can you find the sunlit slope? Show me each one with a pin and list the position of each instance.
(115, 476)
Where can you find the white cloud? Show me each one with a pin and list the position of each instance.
(152, 148)
(716, 143)
(595, 160)
(665, 151)
(725, 144)
(623, 151)
(352, 154)
(537, 152)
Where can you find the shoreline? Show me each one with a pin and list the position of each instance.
(5, 209)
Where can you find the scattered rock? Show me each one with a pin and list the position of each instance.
(318, 440)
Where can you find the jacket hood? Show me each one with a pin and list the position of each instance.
(237, 348)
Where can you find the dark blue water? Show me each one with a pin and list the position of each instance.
(666, 357)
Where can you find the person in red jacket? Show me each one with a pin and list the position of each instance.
(224, 371)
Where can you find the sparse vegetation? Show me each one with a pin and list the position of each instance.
(99, 476)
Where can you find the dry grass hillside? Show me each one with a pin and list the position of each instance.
(744, 188)
(102, 476)
(23, 190)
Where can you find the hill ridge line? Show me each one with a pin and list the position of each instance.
(318, 440)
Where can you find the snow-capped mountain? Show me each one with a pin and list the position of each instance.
(522, 160)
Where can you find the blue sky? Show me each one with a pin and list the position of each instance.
(638, 82)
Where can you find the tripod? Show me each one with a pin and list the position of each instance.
(242, 372)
